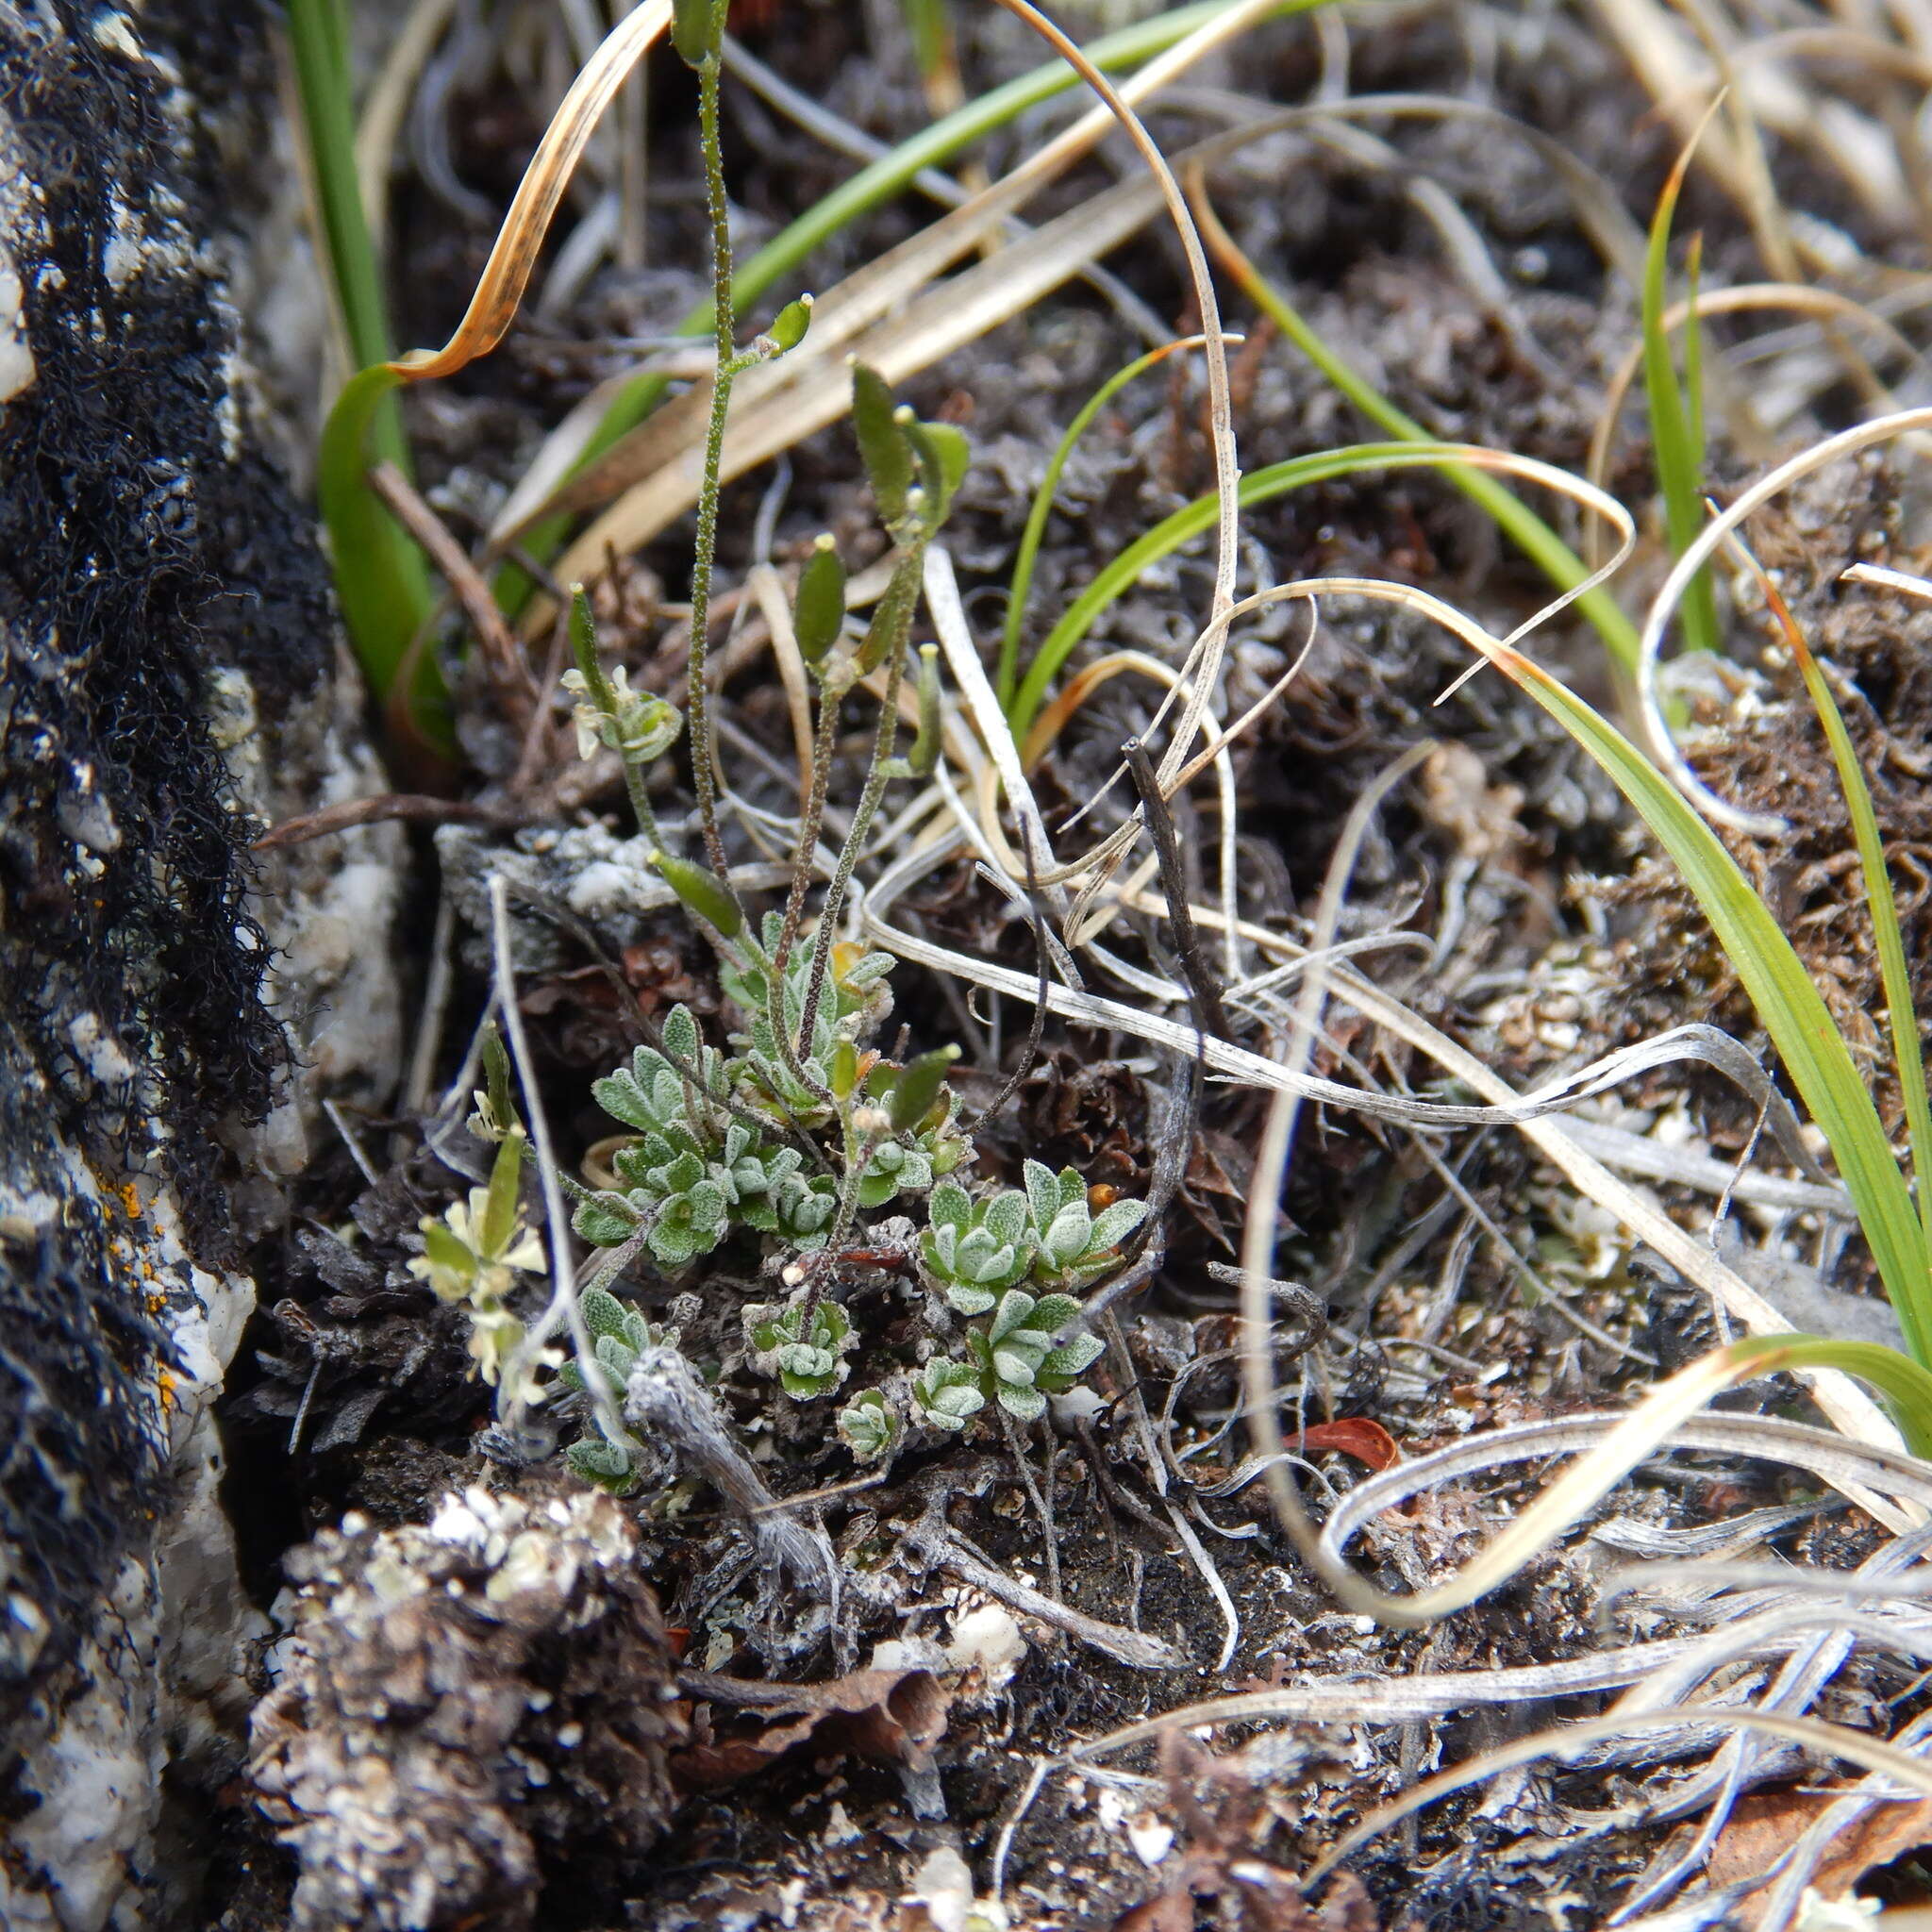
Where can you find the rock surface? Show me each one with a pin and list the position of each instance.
(167, 677)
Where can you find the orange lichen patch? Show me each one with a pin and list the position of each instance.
(164, 1386)
(130, 1200)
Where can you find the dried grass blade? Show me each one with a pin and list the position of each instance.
(1848, 1406)
(507, 274)
(1832, 1741)
(879, 290)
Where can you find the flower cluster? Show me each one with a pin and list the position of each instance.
(473, 1255)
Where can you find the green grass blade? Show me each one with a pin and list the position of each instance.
(1906, 1387)
(1693, 353)
(1677, 440)
(1123, 571)
(1508, 510)
(1794, 1015)
(1023, 559)
(382, 582)
(322, 78)
(1902, 1013)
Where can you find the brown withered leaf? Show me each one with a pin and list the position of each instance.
(892, 1717)
(1763, 1826)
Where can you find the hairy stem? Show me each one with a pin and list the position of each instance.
(723, 326)
(831, 696)
(640, 804)
(855, 840)
(857, 1159)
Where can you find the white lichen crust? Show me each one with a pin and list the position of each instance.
(457, 1706)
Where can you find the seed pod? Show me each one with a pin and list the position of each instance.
(891, 616)
(819, 614)
(925, 754)
(703, 892)
(697, 29)
(495, 1113)
(789, 325)
(583, 648)
(843, 1072)
(918, 1087)
(499, 1224)
(942, 453)
(882, 442)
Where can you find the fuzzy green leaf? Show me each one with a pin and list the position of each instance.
(1114, 1224)
(606, 1465)
(1071, 1359)
(1023, 1404)
(605, 1220)
(1042, 1193)
(1052, 1313)
(1016, 1307)
(602, 1313)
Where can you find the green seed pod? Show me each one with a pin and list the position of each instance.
(942, 453)
(499, 1224)
(918, 1087)
(819, 614)
(891, 616)
(495, 1113)
(925, 754)
(843, 1072)
(583, 648)
(702, 892)
(789, 325)
(697, 29)
(882, 442)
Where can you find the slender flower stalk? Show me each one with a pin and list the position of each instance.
(724, 327)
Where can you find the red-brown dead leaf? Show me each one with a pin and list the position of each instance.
(893, 1717)
(1763, 1826)
(1368, 1442)
(1169, 1911)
